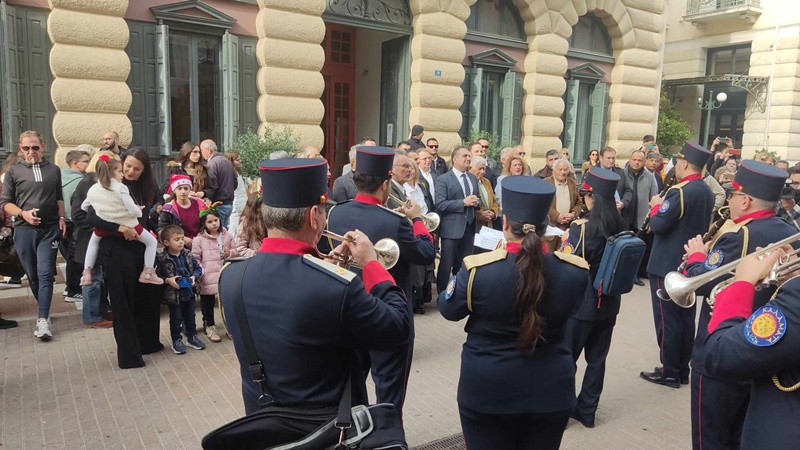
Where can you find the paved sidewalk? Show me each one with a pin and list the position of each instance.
(69, 393)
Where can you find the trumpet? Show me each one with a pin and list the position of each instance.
(387, 250)
(430, 220)
(724, 215)
(680, 289)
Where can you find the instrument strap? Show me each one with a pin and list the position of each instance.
(469, 287)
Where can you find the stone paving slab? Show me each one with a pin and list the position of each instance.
(69, 393)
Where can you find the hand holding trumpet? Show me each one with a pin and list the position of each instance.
(358, 246)
(755, 267)
(411, 209)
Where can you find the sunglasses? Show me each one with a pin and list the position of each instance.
(521, 154)
(485, 147)
(34, 148)
(433, 146)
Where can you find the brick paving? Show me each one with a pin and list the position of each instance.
(68, 393)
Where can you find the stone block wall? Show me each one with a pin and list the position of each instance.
(90, 69)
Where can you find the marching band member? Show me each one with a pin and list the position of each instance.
(517, 384)
(372, 178)
(683, 213)
(719, 406)
(590, 329)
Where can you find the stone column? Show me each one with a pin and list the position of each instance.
(90, 69)
(784, 120)
(290, 58)
(437, 51)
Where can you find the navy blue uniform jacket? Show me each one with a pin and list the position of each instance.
(684, 213)
(495, 377)
(306, 317)
(590, 248)
(756, 232)
(365, 214)
(773, 416)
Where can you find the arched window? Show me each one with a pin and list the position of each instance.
(589, 35)
(496, 18)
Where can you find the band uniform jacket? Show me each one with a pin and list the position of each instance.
(684, 213)
(734, 241)
(762, 349)
(450, 204)
(495, 377)
(574, 202)
(305, 332)
(594, 306)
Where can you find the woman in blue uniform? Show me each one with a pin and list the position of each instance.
(517, 384)
(590, 329)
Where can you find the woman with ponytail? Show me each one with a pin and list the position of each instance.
(517, 384)
(589, 330)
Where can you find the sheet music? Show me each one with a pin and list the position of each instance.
(488, 238)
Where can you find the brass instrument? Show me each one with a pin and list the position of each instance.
(680, 288)
(387, 250)
(430, 220)
(724, 215)
(667, 184)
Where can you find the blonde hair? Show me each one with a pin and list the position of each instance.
(510, 160)
(96, 157)
(105, 171)
(414, 172)
(27, 134)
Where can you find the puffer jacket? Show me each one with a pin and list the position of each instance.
(244, 247)
(206, 250)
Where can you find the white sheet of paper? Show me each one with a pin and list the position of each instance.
(553, 231)
(488, 238)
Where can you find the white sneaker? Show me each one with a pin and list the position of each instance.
(43, 329)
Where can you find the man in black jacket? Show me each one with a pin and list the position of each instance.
(438, 165)
(417, 132)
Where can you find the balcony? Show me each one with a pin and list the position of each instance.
(701, 12)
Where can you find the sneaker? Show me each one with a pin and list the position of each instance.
(74, 298)
(212, 335)
(178, 347)
(195, 343)
(86, 278)
(10, 284)
(5, 324)
(43, 329)
(64, 294)
(149, 276)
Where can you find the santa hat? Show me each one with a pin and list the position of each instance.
(179, 180)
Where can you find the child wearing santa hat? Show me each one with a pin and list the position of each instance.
(181, 209)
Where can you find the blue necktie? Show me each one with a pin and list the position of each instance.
(467, 192)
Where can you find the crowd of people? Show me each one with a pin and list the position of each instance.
(531, 305)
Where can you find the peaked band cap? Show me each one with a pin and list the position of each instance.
(374, 161)
(760, 180)
(694, 154)
(527, 199)
(602, 182)
(294, 182)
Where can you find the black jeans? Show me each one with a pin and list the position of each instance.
(74, 270)
(532, 431)
(207, 308)
(182, 314)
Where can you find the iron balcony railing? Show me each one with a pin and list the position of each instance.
(694, 7)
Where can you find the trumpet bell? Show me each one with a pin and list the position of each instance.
(431, 221)
(680, 289)
(388, 252)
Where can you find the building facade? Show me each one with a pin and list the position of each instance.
(547, 74)
(748, 49)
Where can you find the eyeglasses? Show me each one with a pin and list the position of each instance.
(433, 146)
(485, 147)
(520, 153)
(34, 148)
(404, 166)
(84, 161)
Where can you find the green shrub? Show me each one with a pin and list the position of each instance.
(673, 131)
(494, 143)
(254, 148)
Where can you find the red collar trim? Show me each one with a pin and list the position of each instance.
(512, 247)
(368, 199)
(761, 214)
(690, 177)
(286, 246)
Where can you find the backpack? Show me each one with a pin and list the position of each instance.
(620, 264)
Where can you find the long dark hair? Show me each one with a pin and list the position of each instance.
(104, 171)
(199, 168)
(604, 218)
(145, 180)
(531, 284)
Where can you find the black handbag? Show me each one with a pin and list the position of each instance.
(10, 265)
(278, 428)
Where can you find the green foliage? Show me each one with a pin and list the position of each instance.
(494, 143)
(673, 131)
(254, 148)
(764, 151)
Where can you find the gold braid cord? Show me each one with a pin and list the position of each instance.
(783, 388)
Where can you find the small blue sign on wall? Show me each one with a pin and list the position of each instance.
(437, 73)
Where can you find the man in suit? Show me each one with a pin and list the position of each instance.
(401, 172)
(457, 203)
(438, 165)
(477, 149)
(344, 188)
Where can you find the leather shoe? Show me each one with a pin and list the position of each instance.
(684, 376)
(658, 378)
(638, 282)
(103, 323)
(586, 422)
(419, 310)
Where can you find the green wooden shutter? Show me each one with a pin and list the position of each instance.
(571, 115)
(599, 105)
(464, 131)
(162, 90)
(248, 89)
(12, 119)
(475, 96)
(230, 89)
(509, 85)
(519, 97)
(37, 47)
